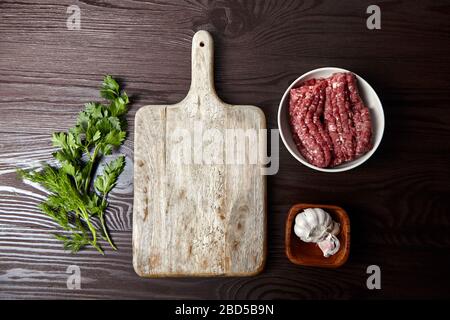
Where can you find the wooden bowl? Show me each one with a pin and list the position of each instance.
(309, 254)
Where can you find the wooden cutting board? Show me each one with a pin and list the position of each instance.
(196, 211)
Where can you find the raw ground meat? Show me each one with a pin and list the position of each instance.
(305, 110)
(330, 123)
(363, 125)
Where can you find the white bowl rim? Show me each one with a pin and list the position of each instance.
(352, 164)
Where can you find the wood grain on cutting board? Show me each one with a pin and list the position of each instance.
(200, 213)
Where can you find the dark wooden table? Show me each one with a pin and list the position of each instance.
(398, 201)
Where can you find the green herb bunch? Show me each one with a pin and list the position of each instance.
(77, 201)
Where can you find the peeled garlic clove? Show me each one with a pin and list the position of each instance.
(329, 246)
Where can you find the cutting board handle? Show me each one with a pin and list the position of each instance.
(202, 82)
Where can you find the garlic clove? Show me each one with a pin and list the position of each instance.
(322, 216)
(330, 245)
(300, 232)
(310, 215)
(336, 229)
(302, 221)
(319, 216)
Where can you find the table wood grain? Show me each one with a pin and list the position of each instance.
(398, 202)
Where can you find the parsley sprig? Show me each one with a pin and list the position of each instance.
(78, 199)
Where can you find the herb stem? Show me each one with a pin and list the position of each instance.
(102, 221)
(92, 159)
(86, 218)
(105, 231)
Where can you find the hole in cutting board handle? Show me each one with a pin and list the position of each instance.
(202, 44)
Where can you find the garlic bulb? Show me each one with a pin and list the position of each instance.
(316, 225)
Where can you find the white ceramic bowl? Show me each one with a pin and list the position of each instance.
(369, 97)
